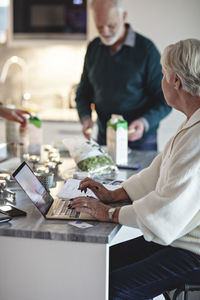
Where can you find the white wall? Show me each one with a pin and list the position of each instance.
(165, 22)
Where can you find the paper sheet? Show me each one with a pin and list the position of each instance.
(70, 189)
(80, 224)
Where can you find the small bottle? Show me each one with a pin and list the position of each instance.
(12, 132)
(35, 135)
(23, 142)
(12, 135)
(117, 139)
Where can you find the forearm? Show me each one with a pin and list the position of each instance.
(1, 110)
(156, 113)
(157, 106)
(120, 195)
(85, 118)
(116, 215)
(5, 112)
(84, 95)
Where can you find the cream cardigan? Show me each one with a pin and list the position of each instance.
(166, 195)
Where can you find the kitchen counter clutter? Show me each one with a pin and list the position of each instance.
(34, 225)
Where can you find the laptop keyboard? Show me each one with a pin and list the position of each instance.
(62, 209)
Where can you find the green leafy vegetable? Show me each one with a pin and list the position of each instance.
(99, 162)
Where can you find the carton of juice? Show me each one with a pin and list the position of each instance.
(117, 139)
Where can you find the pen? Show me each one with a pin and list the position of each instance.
(126, 167)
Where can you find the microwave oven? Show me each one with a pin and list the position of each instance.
(49, 19)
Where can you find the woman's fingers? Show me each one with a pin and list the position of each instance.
(87, 182)
(85, 205)
(83, 202)
(93, 207)
(97, 188)
(91, 184)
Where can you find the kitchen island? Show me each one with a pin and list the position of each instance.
(52, 259)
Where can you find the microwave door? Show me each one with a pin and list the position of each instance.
(49, 18)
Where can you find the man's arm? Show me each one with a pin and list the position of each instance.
(157, 108)
(84, 97)
(87, 125)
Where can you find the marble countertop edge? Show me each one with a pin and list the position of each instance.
(82, 235)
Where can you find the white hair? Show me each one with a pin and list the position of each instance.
(115, 3)
(183, 58)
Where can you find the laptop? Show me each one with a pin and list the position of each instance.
(50, 208)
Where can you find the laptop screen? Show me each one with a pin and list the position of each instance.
(33, 188)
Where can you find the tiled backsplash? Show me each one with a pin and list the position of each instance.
(51, 71)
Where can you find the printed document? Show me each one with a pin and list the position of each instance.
(70, 190)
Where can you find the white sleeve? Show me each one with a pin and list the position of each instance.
(139, 185)
(170, 210)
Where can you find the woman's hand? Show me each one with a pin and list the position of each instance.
(91, 206)
(98, 189)
(16, 115)
(102, 193)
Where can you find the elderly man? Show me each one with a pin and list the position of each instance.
(121, 75)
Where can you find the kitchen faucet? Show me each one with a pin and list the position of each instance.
(22, 64)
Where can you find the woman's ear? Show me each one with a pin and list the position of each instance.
(177, 82)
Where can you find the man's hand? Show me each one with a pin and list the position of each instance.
(136, 129)
(87, 125)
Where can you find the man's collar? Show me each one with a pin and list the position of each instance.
(129, 39)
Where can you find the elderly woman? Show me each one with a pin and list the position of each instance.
(164, 199)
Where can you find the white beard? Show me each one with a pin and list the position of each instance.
(109, 41)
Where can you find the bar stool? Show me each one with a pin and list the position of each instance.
(185, 289)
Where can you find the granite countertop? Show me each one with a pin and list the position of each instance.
(34, 225)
